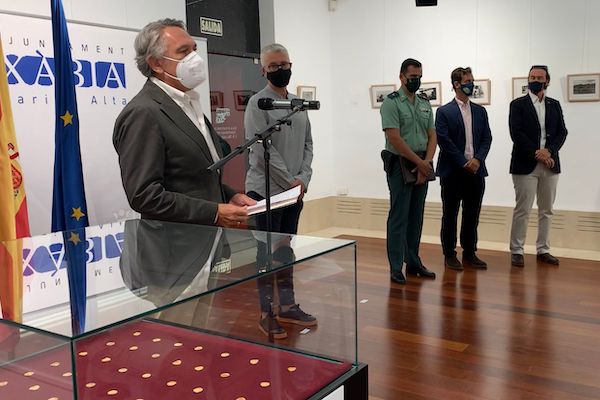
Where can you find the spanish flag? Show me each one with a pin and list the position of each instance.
(14, 222)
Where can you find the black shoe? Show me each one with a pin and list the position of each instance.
(474, 261)
(517, 260)
(296, 316)
(270, 323)
(547, 258)
(453, 263)
(420, 271)
(398, 277)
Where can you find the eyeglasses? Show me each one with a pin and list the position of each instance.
(276, 67)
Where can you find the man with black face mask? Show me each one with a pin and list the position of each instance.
(291, 158)
(410, 142)
(464, 137)
(537, 129)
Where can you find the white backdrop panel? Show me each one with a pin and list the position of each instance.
(100, 53)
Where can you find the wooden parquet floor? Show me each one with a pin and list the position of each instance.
(503, 333)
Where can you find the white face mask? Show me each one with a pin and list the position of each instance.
(191, 70)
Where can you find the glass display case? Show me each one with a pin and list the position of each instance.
(148, 310)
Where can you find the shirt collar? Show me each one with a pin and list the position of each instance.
(536, 99)
(271, 93)
(462, 103)
(172, 92)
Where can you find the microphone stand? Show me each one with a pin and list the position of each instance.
(265, 137)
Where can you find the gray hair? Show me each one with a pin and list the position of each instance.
(271, 48)
(149, 43)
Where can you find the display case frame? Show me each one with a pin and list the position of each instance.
(166, 269)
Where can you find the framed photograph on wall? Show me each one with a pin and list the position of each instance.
(519, 86)
(216, 100)
(241, 97)
(431, 91)
(306, 92)
(378, 94)
(583, 87)
(482, 91)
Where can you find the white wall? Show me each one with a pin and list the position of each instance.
(366, 41)
(362, 43)
(304, 29)
(123, 13)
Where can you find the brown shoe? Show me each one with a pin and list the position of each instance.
(295, 315)
(270, 323)
(517, 260)
(474, 261)
(453, 263)
(547, 258)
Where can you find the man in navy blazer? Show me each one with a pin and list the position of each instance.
(464, 137)
(537, 129)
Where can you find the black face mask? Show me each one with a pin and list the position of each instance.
(280, 78)
(413, 84)
(536, 87)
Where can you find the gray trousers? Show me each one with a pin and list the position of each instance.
(541, 183)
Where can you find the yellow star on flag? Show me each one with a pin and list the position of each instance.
(67, 118)
(74, 238)
(77, 213)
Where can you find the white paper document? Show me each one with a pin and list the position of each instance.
(277, 201)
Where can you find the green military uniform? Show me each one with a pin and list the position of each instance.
(407, 202)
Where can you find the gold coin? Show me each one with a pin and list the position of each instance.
(198, 390)
(122, 370)
(112, 392)
(177, 362)
(90, 385)
(265, 384)
(254, 361)
(34, 388)
(55, 364)
(225, 375)
(171, 383)
(291, 369)
(198, 368)
(146, 375)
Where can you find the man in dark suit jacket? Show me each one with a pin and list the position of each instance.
(537, 129)
(164, 141)
(464, 137)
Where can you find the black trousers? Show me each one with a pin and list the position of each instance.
(461, 187)
(283, 220)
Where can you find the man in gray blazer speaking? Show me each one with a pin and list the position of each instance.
(164, 141)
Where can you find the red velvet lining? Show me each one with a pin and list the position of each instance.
(182, 364)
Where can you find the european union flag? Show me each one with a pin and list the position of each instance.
(69, 209)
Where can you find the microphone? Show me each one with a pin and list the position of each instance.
(267, 103)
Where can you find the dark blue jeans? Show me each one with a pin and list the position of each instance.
(283, 220)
